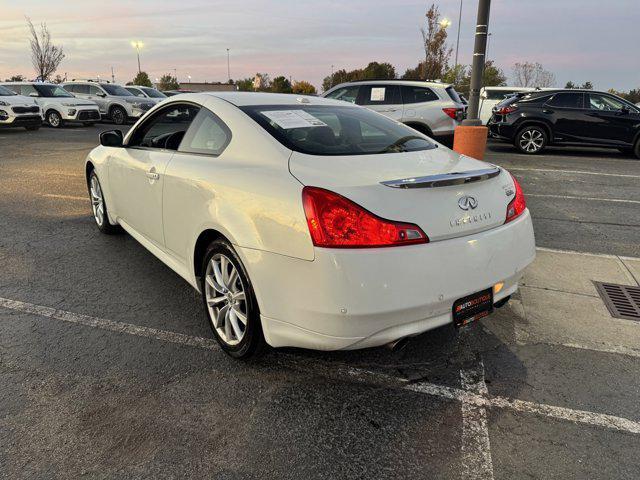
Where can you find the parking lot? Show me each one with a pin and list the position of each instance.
(110, 371)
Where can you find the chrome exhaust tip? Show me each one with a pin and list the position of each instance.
(397, 345)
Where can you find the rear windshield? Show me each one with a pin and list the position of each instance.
(46, 90)
(499, 94)
(453, 94)
(336, 130)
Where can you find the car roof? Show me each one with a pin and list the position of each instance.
(241, 99)
(419, 83)
(28, 83)
(508, 88)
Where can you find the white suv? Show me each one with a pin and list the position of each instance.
(432, 108)
(114, 102)
(147, 93)
(18, 111)
(57, 105)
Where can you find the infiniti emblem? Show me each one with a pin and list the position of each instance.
(467, 202)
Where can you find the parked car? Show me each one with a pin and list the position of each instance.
(491, 96)
(312, 223)
(567, 117)
(18, 110)
(432, 108)
(56, 104)
(113, 100)
(147, 93)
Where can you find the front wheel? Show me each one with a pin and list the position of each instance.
(636, 149)
(54, 119)
(118, 115)
(230, 302)
(531, 140)
(99, 207)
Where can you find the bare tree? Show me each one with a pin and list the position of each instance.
(45, 56)
(436, 52)
(529, 74)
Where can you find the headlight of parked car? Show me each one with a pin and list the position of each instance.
(4, 104)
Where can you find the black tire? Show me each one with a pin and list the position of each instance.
(101, 219)
(118, 115)
(252, 342)
(531, 140)
(636, 148)
(54, 119)
(626, 150)
(33, 128)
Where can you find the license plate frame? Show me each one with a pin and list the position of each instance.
(472, 307)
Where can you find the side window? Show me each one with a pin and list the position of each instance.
(347, 94)
(566, 100)
(207, 135)
(27, 90)
(93, 90)
(81, 89)
(70, 88)
(166, 128)
(604, 103)
(418, 94)
(134, 91)
(380, 95)
(13, 88)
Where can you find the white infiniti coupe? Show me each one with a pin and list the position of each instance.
(310, 222)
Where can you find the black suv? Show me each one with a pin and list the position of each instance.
(533, 120)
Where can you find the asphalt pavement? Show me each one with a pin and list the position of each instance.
(108, 369)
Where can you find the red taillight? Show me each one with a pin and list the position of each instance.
(337, 222)
(518, 204)
(506, 110)
(452, 112)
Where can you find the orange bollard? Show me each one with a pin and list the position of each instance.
(470, 141)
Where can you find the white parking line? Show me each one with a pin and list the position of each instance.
(476, 447)
(572, 172)
(66, 197)
(572, 197)
(475, 399)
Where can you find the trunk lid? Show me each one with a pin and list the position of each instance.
(430, 194)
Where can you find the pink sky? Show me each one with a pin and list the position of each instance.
(584, 40)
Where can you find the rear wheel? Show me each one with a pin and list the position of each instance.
(54, 119)
(230, 303)
(531, 140)
(118, 115)
(636, 149)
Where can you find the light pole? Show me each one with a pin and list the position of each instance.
(137, 45)
(458, 40)
(189, 77)
(228, 69)
(479, 53)
(331, 83)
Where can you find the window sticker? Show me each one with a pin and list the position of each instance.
(293, 119)
(377, 94)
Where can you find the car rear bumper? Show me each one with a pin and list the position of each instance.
(504, 131)
(347, 299)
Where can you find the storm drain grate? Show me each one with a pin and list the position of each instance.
(622, 301)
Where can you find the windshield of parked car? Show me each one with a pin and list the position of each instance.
(5, 92)
(336, 130)
(152, 92)
(116, 90)
(52, 91)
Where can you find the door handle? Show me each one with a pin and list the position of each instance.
(153, 175)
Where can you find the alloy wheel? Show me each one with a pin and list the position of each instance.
(54, 119)
(531, 140)
(97, 200)
(117, 116)
(226, 299)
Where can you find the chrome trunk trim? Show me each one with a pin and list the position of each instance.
(444, 179)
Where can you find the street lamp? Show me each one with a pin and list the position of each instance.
(458, 40)
(137, 45)
(445, 23)
(228, 69)
(189, 77)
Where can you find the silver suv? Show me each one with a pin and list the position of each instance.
(432, 108)
(148, 93)
(113, 100)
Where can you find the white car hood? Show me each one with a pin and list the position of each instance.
(18, 100)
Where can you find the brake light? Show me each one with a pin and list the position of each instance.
(337, 222)
(506, 110)
(518, 205)
(452, 112)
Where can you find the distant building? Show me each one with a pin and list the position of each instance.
(208, 87)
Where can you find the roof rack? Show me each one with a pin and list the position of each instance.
(392, 80)
(93, 80)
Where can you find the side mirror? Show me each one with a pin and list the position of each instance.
(100, 94)
(625, 110)
(111, 138)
